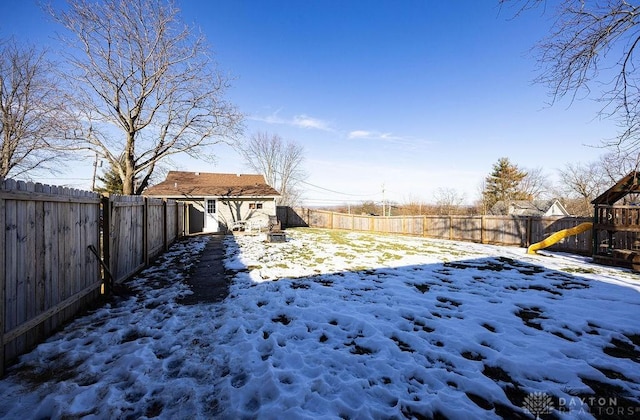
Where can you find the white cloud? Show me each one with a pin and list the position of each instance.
(360, 134)
(302, 121)
(305, 121)
(376, 135)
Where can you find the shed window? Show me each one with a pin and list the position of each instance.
(254, 206)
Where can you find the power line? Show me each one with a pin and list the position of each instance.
(336, 192)
(326, 189)
(333, 200)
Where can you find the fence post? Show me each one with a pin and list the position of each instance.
(178, 221)
(483, 227)
(450, 228)
(165, 224)
(187, 221)
(145, 230)
(2, 277)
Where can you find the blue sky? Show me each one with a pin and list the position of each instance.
(413, 95)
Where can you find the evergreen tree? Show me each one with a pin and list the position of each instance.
(504, 185)
(112, 182)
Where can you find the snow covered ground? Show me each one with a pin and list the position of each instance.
(347, 325)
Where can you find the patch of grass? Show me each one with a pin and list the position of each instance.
(579, 270)
(310, 248)
(387, 256)
(344, 255)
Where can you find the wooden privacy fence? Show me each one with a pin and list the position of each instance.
(47, 272)
(52, 238)
(498, 230)
(136, 230)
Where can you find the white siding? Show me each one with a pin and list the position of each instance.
(236, 209)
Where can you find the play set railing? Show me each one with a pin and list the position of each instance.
(618, 217)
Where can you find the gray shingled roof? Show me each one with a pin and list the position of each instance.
(201, 184)
(523, 207)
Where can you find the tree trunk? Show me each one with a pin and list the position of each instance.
(128, 183)
(4, 159)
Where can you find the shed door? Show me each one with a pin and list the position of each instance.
(211, 216)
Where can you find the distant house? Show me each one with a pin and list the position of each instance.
(551, 207)
(217, 201)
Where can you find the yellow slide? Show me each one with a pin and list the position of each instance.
(561, 234)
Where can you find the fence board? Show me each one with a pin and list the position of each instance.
(171, 222)
(21, 269)
(31, 308)
(50, 255)
(155, 226)
(38, 262)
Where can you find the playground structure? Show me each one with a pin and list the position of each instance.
(615, 227)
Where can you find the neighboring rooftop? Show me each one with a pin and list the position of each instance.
(551, 207)
(200, 184)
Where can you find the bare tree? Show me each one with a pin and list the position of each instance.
(582, 182)
(615, 166)
(591, 49)
(535, 184)
(411, 206)
(366, 207)
(33, 116)
(278, 161)
(448, 201)
(144, 85)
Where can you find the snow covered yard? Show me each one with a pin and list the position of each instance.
(346, 325)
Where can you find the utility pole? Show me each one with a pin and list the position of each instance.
(95, 168)
(383, 209)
